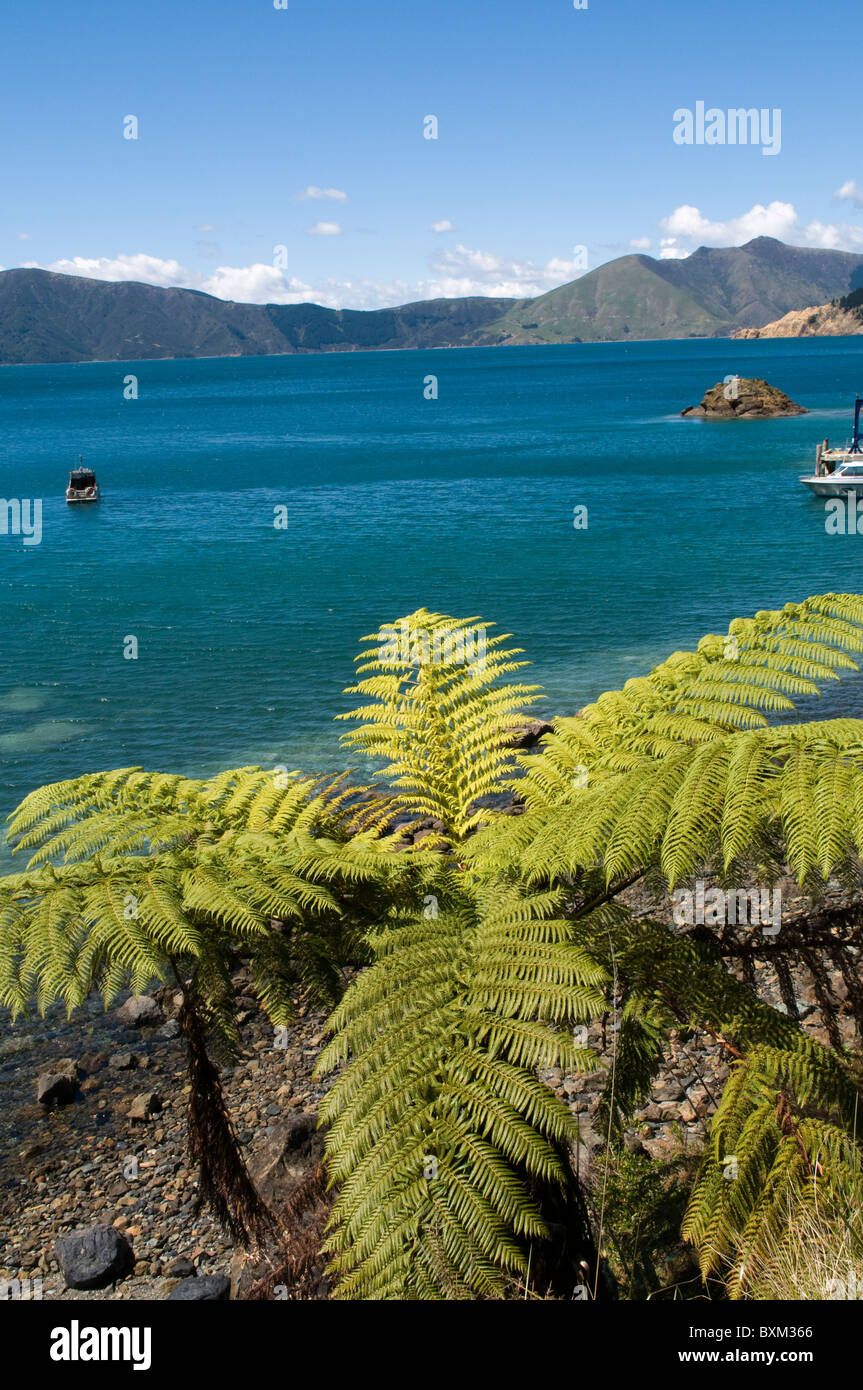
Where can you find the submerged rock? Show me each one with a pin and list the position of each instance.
(744, 398)
(123, 1061)
(145, 1105)
(58, 1086)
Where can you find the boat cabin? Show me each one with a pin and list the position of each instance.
(83, 486)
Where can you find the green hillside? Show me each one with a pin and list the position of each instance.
(623, 299)
(710, 293)
(46, 317)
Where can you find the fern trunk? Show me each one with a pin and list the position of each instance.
(225, 1183)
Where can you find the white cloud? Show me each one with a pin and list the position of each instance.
(254, 284)
(334, 194)
(670, 251)
(777, 219)
(463, 271)
(149, 269)
(851, 192)
(687, 228)
(640, 243)
(454, 273)
(835, 236)
(324, 229)
(23, 236)
(205, 227)
(443, 226)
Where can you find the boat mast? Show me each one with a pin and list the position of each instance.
(856, 442)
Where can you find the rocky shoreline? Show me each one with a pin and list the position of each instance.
(116, 1155)
(109, 1159)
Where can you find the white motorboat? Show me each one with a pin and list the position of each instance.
(838, 471)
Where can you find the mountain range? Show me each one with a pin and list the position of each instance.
(46, 317)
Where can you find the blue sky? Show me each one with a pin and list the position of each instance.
(555, 132)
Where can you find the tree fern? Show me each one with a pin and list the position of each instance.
(440, 716)
(438, 1120)
(162, 878)
(443, 1143)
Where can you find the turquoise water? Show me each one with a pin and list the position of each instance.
(464, 504)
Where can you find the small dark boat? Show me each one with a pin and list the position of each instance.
(82, 485)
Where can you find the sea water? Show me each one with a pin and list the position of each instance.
(259, 515)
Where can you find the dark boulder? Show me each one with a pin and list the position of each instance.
(289, 1154)
(528, 735)
(59, 1086)
(94, 1258)
(203, 1288)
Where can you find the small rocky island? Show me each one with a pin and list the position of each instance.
(744, 398)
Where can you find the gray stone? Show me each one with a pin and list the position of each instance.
(123, 1061)
(92, 1061)
(527, 735)
(649, 1112)
(289, 1154)
(205, 1288)
(143, 1010)
(94, 1258)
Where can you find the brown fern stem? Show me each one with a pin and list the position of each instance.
(225, 1184)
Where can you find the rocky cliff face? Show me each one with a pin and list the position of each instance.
(744, 398)
(833, 320)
